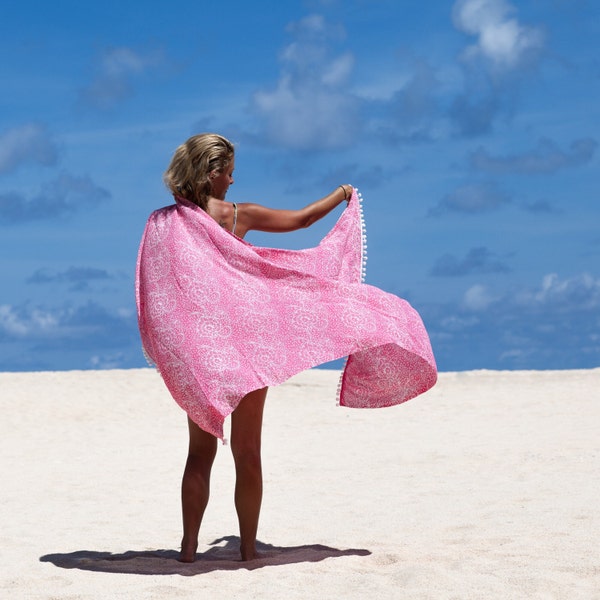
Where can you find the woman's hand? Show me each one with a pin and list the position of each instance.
(348, 190)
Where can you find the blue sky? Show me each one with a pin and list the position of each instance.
(470, 127)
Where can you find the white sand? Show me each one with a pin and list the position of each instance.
(485, 487)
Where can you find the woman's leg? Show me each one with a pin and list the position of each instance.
(195, 487)
(246, 428)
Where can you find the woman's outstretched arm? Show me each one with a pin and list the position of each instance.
(260, 218)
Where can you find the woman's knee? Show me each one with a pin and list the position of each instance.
(246, 454)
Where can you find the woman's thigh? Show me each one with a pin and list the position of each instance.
(246, 421)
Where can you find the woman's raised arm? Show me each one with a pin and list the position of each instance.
(260, 218)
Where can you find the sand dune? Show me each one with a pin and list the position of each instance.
(485, 487)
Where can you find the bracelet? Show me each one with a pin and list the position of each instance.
(345, 194)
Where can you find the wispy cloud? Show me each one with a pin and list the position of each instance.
(473, 114)
(546, 157)
(413, 113)
(542, 207)
(310, 107)
(77, 278)
(472, 198)
(476, 261)
(61, 197)
(116, 71)
(30, 143)
(371, 177)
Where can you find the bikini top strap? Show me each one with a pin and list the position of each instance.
(234, 217)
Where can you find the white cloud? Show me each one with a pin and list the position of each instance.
(577, 293)
(68, 322)
(501, 39)
(121, 62)
(455, 323)
(339, 70)
(29, 143)
(552, 325)
(112, 360)
(306, 116)
(477, 298)
(68, 336)
(310, 106)
(580, 292)
(34, 323)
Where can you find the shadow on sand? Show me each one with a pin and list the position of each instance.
(223, 556)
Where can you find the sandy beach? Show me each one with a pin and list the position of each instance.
(484, 487)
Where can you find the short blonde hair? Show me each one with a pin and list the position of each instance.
(188, 175)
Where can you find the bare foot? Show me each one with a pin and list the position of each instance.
(188, 552)
(250, 554)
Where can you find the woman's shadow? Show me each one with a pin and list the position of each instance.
(223, 556)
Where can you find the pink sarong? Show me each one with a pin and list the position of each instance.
(220, 317)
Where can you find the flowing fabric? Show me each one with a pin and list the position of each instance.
(220, 317)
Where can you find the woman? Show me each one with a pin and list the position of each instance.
(223, 319)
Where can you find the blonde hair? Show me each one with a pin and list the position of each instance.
(188, 175)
